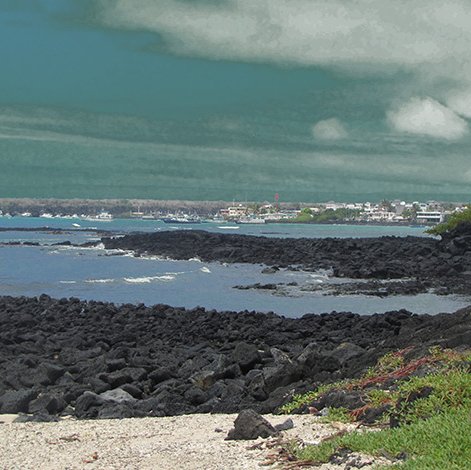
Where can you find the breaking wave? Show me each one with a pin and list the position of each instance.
(149, 279)
(99, 281)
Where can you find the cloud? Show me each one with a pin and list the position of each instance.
(460, 102)
(429, 118)
(419, 33)
(329, 129)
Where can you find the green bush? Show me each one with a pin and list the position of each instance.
(441, 442)
(452, 221)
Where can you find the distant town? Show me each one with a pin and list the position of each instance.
(383, 212)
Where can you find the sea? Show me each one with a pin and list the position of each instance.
(120, 277)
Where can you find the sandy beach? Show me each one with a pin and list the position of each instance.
(184, 442)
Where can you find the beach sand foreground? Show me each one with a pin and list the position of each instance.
(183, 442)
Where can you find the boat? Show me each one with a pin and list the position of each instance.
(251, 220)
(181, 219)
(103, 216)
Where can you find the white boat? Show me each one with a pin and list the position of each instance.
(251, 220)
(181, 219)
(229, 227)
(103, 216)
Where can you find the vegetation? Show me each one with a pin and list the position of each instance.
(429, 399)
(442, 442)
(451, 222)
(327, 216)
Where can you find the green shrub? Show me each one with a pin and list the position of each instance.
(452, 222)
(442, 442)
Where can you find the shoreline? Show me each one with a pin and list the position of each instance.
(267, 223)
(135, 208)
(427, 263)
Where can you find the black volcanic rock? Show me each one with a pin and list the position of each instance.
(250, 425)
(431, 263)
(170, 361)
(16, 401)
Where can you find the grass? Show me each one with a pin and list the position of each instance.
(434, 428)
(450, 390)
(441, 442)
(340, 414)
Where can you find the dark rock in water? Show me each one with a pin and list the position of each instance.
(270, 270)
(419, 259)
(16, 401)
(250, 425)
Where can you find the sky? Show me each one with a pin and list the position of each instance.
(316, 100)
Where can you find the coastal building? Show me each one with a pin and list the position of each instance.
(234, 212)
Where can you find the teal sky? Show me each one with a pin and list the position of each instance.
(235, 99)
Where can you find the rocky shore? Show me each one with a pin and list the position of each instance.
(423, 263)
(98, 360)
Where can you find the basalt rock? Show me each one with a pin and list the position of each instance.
(250, 425)
(96, 359)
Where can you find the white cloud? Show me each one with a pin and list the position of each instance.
(460, 102)
(329, 129)
(414, 33)
(428, 117)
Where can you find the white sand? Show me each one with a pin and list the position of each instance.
(184, 442)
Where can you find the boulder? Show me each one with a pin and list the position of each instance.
(250, 425)
(88, 404)
(118, 395)
(47, 403)
(116, 411)
(255, 384)
(16, 401)
(246, 356)
(346, 351)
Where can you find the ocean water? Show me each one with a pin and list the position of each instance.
(98, 274)
(268, 230)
